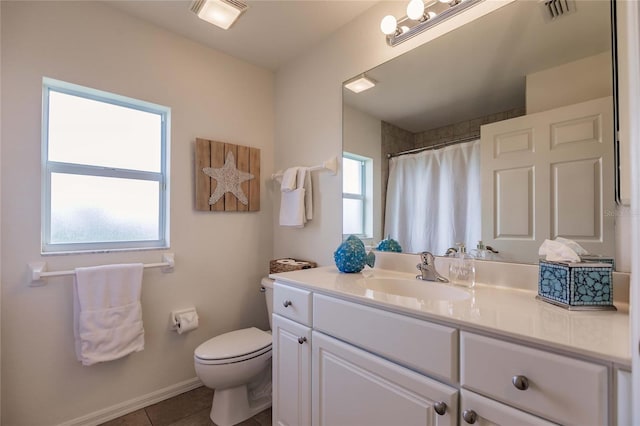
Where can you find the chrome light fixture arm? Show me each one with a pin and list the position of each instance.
(406, 28)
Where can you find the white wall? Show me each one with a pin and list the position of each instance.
(363, 136)
(220, 257)
(309, 121)
(570, 83)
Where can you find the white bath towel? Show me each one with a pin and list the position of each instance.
(289, 179)
(107, 312)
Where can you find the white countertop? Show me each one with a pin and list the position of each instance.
(509, 312)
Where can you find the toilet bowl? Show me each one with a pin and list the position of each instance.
(237, 365)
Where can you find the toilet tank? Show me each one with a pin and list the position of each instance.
(267, 284)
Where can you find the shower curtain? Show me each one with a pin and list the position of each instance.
(433, 199)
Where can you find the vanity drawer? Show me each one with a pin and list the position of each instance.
(420, 345)
(293, 303)
(558, 388)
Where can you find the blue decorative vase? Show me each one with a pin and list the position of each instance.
(351, 256)
(389, 245)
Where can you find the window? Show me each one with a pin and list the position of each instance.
(356, 203)
(105, 170)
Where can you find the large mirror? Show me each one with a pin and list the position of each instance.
(513, 65)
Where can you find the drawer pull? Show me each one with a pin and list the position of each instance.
(287, 303)
(301, 340)
(470, 416)
(440, 408)
(520, 382)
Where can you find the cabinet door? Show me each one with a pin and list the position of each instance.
(353, 387)
(481, 411)
(624, 400)
(291, 373)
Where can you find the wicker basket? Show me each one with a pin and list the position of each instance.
(288, 264)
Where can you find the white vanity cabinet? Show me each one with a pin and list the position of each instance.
(354, 387)
(339, 362)
(376, 374)
(291, 356)
(481, 411)
(562, 389)
(623, 397)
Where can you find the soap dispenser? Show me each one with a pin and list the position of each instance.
(480, 251)
(462, 269)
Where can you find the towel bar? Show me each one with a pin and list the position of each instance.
(331, 165)
(37, 270)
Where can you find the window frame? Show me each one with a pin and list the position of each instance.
(79, 169)
(362, 197)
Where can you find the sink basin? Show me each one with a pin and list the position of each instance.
(413, 288)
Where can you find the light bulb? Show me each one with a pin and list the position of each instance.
(415, 9)
(404, 29)
(388, 25)
(431, 15)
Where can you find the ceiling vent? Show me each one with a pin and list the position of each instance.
(554, 9)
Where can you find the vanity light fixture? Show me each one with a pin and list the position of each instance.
(221, 13)
(360, 83)
(421, 15)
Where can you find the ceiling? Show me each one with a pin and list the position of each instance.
(480, 68)
(268, 34)
(471, 72)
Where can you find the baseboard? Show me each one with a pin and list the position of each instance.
(115, 411)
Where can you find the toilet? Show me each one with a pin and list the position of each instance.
(237, 365)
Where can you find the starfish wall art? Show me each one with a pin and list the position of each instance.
(224, 184)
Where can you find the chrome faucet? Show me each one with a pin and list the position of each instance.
(451, 251)
(427, 269)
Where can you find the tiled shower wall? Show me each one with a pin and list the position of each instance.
(394, 139)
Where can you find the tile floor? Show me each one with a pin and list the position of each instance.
(188, 409)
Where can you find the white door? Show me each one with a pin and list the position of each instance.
(353, 387)
(628, 20)
(291, 373)
(547, 175)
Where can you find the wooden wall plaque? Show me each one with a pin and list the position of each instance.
(227, 177)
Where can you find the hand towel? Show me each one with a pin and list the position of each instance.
(107, 312)
(292, 208)
(289, 180)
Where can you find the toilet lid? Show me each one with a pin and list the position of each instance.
(267, 282)
(234, 344)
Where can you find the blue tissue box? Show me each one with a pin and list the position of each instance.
(576, 286)
(597, 259)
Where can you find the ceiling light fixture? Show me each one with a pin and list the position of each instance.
(221, 13)
(421, 15)
(360, 83)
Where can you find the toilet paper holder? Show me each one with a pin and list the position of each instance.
(175, 317)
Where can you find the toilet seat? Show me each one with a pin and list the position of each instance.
(235, 346)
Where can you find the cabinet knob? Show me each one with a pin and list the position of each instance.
(287, 303)
(301, 340)
(520, 382)
(440, 408)
(470, 416)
